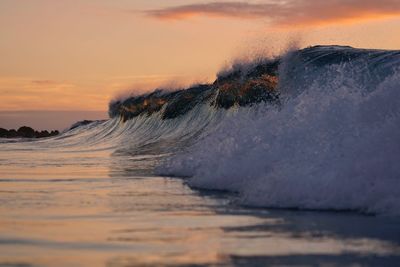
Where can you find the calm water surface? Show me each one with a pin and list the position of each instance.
(79, 207)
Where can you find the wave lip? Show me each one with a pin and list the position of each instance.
(243, 85)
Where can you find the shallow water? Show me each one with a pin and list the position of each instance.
(70, 207)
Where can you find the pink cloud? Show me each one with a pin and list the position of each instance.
(283, 13)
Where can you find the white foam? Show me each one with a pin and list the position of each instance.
(333, 145)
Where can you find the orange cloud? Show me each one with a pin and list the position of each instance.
(25, 93)
(287, 13)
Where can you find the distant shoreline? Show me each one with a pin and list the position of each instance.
(47, 119)
(26, 132)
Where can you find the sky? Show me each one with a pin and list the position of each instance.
(72, 55)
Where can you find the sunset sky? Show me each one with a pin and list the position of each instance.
(77, 55)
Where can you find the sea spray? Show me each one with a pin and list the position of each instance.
(334, 143)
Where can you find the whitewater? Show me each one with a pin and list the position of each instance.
(272, 164)
(334, 143)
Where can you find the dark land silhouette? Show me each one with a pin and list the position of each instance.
(26, 132)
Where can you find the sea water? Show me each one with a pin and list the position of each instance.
(69, 206)
(313, 181)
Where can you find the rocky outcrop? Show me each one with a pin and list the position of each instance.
(26, 132)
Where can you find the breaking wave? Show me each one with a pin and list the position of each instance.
(333, 143)
(318, 128)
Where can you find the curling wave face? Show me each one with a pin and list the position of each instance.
(317, 128)
(242, 85)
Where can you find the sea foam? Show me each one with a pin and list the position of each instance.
(333, 144)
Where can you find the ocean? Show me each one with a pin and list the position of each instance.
(306, 174)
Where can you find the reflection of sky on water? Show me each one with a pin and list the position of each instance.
(92, 209)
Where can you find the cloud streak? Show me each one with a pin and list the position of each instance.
(286, 13)
(44, 82)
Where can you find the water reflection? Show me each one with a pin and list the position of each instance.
(62, 208)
